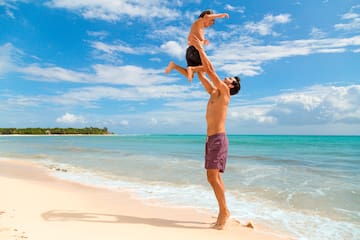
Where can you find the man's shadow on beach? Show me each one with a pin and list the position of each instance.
(57, 215)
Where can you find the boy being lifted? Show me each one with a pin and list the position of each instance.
(194, 64)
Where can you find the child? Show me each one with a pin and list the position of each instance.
(206, 19)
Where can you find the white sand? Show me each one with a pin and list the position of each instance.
(34, 205)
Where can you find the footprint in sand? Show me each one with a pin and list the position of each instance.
(18, 235)
(11, 233)
(232, 222)
(249, 224)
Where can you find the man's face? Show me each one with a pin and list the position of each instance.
(229, 81)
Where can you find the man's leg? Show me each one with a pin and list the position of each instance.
(216, 182)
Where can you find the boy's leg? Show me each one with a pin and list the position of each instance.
(190, 70)
(173, 65)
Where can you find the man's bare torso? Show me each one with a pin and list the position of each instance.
(216, 112)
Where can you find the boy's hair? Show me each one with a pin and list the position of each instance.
(206, 12)
(236, 85)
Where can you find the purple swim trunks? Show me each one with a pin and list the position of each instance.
(216, 150)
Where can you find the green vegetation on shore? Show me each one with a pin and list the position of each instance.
(57, 131)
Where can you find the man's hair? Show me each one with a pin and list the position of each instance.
(237, 86)
(206, 12)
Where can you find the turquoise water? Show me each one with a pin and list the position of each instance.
(308, 186)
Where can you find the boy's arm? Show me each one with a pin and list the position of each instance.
(218, 15)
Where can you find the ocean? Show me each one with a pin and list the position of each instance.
(306, 186)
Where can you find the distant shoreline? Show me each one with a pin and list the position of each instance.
(54, 131)
(187, 134)
(55, 135)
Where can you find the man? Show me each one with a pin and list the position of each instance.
(217, 143)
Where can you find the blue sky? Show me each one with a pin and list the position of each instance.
(101, 63)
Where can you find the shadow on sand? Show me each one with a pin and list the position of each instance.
(57, 215)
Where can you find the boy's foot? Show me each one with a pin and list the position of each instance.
(170, 67)
(190, 74)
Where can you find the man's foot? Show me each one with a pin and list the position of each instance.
(190, 74)
(170, 67)
(222, 219)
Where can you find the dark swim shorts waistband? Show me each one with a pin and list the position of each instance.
(215, 135)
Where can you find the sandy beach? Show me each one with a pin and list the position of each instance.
(35, 205)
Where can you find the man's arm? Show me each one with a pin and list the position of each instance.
(209, 68)
(205, 82)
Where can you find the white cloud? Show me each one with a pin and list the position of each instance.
(124, 75)
(8, 56)
(265, 26)
(23, 101)
(252, 113)
(52, 74)
(107, 48)
(69, 118)
(153, 121)
(171, 33)
(10, 3)
(124, 123)
(316, 105)
(234, 8)
(353, 20)
(90, 96)
(113, 53)
(174, 49)
(109, 10)
(98, 34)
(317, 33)
(10, 13)
(248, 58)
(245, 68)
(342, 104)
(10, 6)
(129, 75)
